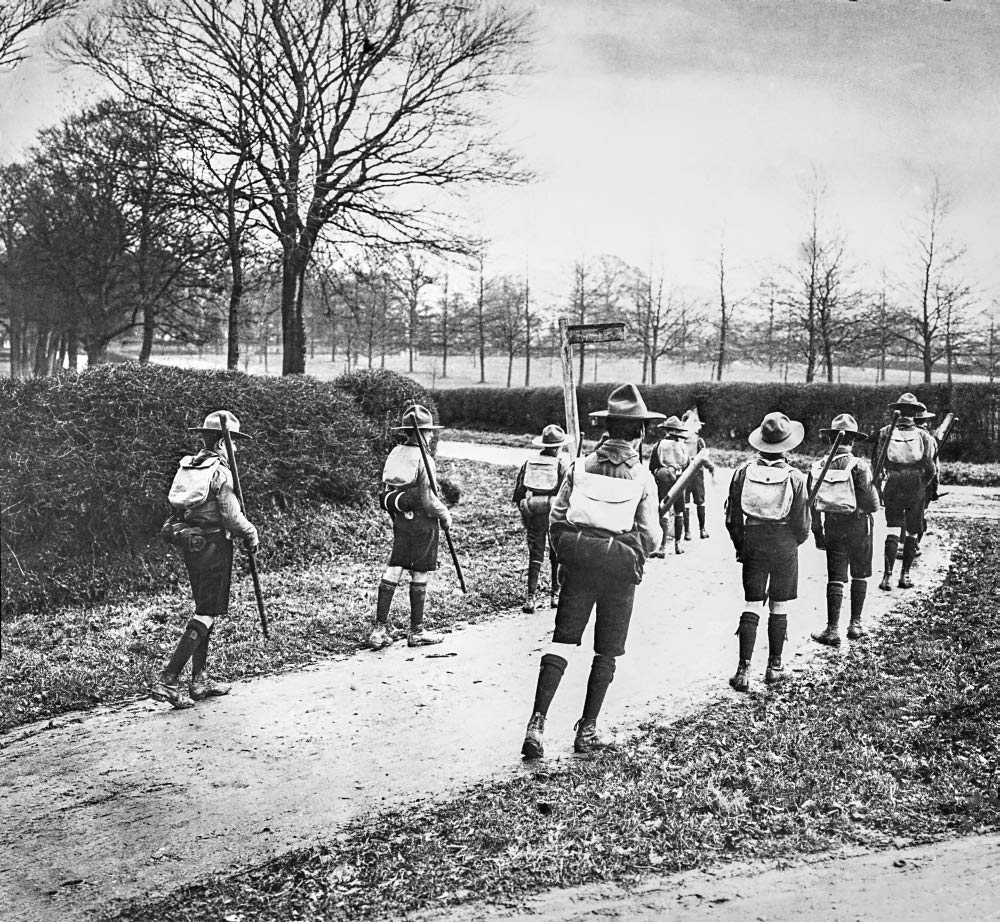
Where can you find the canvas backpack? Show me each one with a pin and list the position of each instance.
(673, 454)
(402, 466)
(767, 492)
(193, 481)
(836, 493)
(906, 447)
(541, 475)
(598, 501)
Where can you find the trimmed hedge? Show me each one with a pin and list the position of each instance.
(731, 411)
(87, 461)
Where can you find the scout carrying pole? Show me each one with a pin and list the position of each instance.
(681, 483)
(434, 487)
(251, 555)
(814, 492)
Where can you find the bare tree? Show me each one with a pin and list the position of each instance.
(724, 324)
(410, 277)
(18, 18)
(343, 105)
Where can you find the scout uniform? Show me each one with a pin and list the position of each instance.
(842, 526)
(767, 517)
(207, 516)
(923, 420)
(911, 456)
(417, 516)
(537, 483)
(603, 524)
(696, 491)
(667, 463)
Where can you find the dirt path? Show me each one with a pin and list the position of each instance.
(140, 799)
(959, 879)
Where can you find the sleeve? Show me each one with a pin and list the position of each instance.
(735, 523)
(429, 501)
(800, 518)
(233, 519)
(557, 514)
(817, 520)
(647, 516)
(654, 459)
(519, 491)
(930, 456)
(709, 466)
(864, 488)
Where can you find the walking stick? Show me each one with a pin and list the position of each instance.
(251, 555)
(814, 492)
(434, 488)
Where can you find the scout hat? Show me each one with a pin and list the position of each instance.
(847, 424)
(777, 433)
(551, 437)
(626, 402)
(907, 403)
(415, 413)
(673, 424)
(925, 415)
(213, 425)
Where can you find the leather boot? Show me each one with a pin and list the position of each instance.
(529, 603)
(203, 687)
(829, 636)
(167, 688)
(532, 747)
(587, 737)
(775, 672)
(741, 681)
(854, 630)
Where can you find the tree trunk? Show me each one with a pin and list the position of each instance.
(510, 366)
(293, 344)
(652, 371)
(148, 329)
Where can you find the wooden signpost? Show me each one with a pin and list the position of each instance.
(570, 334)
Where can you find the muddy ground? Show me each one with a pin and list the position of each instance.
(138, 800)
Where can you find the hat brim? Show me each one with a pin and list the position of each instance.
(858, 436)
(648, 417)
(410, 428)
(232, 432)
(916, 407)
(538, 443)
(793, 439)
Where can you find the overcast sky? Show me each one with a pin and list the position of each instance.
(659, 126)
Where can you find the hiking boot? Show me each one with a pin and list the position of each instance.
(886, 584)
(587, 737)
(678, 549)
(855, 631)
(380, 637)
(203, 687)
(529, 603)
(775, 672)
(904, 581)
(741, 681)
(554, 600)
(532, 747)
(163, 689)
(704, 534)
(828, 637)
(660, 552)
(687, 535)
(421, 637)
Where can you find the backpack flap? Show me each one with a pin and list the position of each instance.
(906, 447)
(192, 483)
(767, 492)
(402, 466)
(541, 474)
(597, 501)
(836, 493)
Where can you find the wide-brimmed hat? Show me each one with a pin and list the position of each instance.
(847, 424)
(626, 402)
(213, 425)
(925, 414)
(673, 424)
(552, 437)
(692, 421)
(777, 433)
(415, 413)
(907, 402)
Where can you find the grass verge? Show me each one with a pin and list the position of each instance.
(74, 658)
(897, 739)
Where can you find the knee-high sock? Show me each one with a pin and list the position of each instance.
(834, 599)
(909, 552)
(534, 568)
(747, 633)
(777, 628)
(891, 546)
(200, 656)
(859, 589)
(687, 521)
(602, 673)
(386, 590)
(678, 526)
(701, 516)
(555, 575)
(189, 642)
(418, 596)
(550, 673)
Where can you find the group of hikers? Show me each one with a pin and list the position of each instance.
(600, 517)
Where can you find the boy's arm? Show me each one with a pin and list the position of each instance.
(647, 517)
(709, 466)
(735, 523)
(864, 487)
(519, 491)
(800, 518)
(233, 519)
(430, 503)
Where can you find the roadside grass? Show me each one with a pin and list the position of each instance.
(77, 658)
(896, 741)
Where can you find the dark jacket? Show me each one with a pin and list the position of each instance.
(864, 489)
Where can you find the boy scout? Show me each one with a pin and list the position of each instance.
(696, 491)
(667, 463)
(767, 517)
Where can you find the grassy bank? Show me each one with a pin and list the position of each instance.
(77, 657)
(895, 740)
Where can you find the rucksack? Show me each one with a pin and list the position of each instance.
(767, 492)
(673, 454)
(541, 475)
(193, 481)
(598, 501)
(836, 493)
(906, 447)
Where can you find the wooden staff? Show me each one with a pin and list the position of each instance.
(433, 483)
(837, 439)
(251, 555)
(883, 455)
(681, 483)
